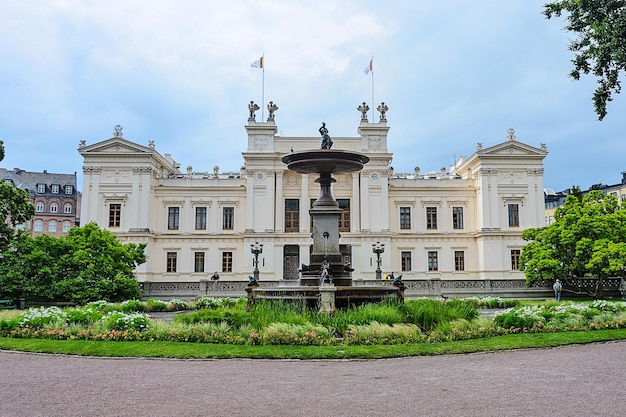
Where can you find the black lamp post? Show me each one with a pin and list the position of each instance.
(257, 249)
(378, 248)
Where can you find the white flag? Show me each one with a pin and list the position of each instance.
(257, 64)
(369, 68)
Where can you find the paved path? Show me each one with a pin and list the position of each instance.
(587, 380)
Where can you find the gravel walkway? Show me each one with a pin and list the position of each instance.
(586, 380)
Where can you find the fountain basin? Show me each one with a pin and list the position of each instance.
(325, 161)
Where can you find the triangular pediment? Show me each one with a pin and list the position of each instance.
(512, 148)
(115, 146)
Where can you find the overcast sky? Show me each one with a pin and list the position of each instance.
(177, 72)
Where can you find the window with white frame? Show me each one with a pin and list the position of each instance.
(67, 225)
(41, 188)
(52, 226)
(67, 208)
(69, 190)
(38, 225)
(54, 208)
(39, 207)
(55, 189)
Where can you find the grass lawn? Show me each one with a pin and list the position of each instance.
(219, 351)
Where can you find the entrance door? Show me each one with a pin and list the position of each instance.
(291, 262)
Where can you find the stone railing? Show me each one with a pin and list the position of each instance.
(504, 288)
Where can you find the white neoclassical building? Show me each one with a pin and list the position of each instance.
(459, 227)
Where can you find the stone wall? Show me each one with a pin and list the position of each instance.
(436, 288)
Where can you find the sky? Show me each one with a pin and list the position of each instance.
(177, 72)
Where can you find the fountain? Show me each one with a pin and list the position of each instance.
(326, 280)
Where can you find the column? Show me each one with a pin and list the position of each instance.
(305, 217)
(355, 222)
(279, 203)
(249, 200)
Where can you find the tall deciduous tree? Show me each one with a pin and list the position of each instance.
(600, 45)
(587, 239)
(87, 264)
(15, 208)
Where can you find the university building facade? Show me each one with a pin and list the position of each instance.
(458, 228)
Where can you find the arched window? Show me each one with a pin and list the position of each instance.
(54, 208)
(67, 208)
(39, 207)
(52, 226)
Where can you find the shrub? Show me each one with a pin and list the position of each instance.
(522, 318)
(133, 305)
(38, 317)
(118, 320)
(155, 305)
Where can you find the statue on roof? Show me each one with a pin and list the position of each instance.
(271, 108)
(382, 109)
(327, 142)
(363, 108)
(118, 132)
(252, 107)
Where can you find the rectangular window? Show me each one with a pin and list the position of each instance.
(228, 218)
(344, 219)
(171, 262)
(55, 188)
(292, 215)
(52, 226)
(198, 265)
(41, 188)
(459, 260)
(115, 212)
(513, 215)
(431, 217)
(227, 262)
(433, 264)
(69, 190)
(515, 254)
(200, 218)
(405, 257)
(405, 218)
(173, 218)
(457, 217)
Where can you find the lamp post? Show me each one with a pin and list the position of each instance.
(256, 249)
(378, 248)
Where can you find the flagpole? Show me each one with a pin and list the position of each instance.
(263, 88)
(372, 89)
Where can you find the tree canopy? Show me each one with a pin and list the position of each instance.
(15, 208)
(600, 45)
(587, 239)
(87, 264)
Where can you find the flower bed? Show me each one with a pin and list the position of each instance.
(228, 322)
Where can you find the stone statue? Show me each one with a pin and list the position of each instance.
(325, 272)
(271, 108)
(118, 132)
(510, 134)
(363, 108)
(252, 107)
(382, 108)
(327, 142)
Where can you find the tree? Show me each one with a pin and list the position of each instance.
(87, 264)
(587, 239)
(15, 209)
(600, 46)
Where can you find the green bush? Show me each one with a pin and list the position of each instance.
(233, 317)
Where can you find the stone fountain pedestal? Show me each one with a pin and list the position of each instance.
(326, 281)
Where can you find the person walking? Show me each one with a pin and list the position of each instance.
(557, 287)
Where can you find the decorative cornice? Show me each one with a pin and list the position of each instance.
(92, 170)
